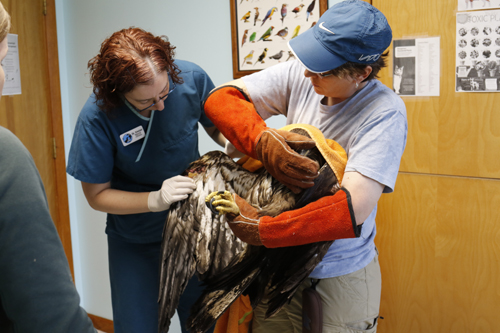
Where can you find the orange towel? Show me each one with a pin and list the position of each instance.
(237, 318)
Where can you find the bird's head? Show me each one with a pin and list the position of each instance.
(327, 180)
(313, 153)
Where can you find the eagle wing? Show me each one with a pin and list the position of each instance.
(194, 239)
(260, 272)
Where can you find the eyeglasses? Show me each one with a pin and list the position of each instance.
(326, 74)
(161, 98)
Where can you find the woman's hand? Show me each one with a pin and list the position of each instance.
(172, 190)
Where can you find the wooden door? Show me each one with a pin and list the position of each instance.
(438, 233)
(35, 116)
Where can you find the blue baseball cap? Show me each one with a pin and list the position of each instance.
(350, 31)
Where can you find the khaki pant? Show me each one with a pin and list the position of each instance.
(350, 304)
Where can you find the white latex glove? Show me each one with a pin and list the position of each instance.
(172, 190)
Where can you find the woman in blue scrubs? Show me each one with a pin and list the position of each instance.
(135, 135)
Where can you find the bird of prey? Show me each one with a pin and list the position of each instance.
(248, 58)
(244, 38)
(265, 36)
(297, 9)
(246, 17)
(296, 32)
(284, 11)
(310, 8)
(262, 57)
(283, 32)
(277, 56)
(256, 17)
(197, 241)
(269, 15)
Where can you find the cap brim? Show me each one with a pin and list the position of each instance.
(312, 54)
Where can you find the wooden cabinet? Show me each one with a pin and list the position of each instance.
(439, 232)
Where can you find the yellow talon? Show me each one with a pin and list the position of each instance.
(223, 202)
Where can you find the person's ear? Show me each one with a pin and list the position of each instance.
(368, 70)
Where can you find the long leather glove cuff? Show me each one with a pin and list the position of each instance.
(245, 129)
(326, 219)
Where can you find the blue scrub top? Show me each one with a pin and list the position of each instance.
(97, 154)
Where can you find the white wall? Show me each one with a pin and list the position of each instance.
(199, 29)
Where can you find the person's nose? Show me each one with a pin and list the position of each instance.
(159, 105)
(309, 74)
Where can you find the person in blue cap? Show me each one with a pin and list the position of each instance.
(135, 135)
(332, 85)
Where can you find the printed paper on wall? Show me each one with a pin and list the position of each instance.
(478, 51)
(416, 66)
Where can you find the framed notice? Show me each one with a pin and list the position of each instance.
(260, 30)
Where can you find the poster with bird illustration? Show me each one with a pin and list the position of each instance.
(261, 30)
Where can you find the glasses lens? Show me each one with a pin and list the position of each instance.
(162, 98)
(172, 87)
(325, 74)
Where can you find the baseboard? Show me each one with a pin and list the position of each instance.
(102, 324)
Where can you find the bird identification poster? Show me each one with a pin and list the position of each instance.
(11, 68)
(417, 66)
(263, 29)
(478, 4)
(478, 51)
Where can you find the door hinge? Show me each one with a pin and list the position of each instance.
(54, 148)
(44, 7)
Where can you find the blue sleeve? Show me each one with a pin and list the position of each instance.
(204, 85)
(91, 156)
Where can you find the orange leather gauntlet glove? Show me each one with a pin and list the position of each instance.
(245, 225)
(275, 151)
(326, 219)
(230, 109)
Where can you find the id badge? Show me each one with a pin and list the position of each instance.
(132, 136)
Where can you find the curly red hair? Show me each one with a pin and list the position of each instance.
(127, 58)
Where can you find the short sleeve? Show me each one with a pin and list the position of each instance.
(204, 85)
(269, 89)
(91, 156)
(377, 147)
